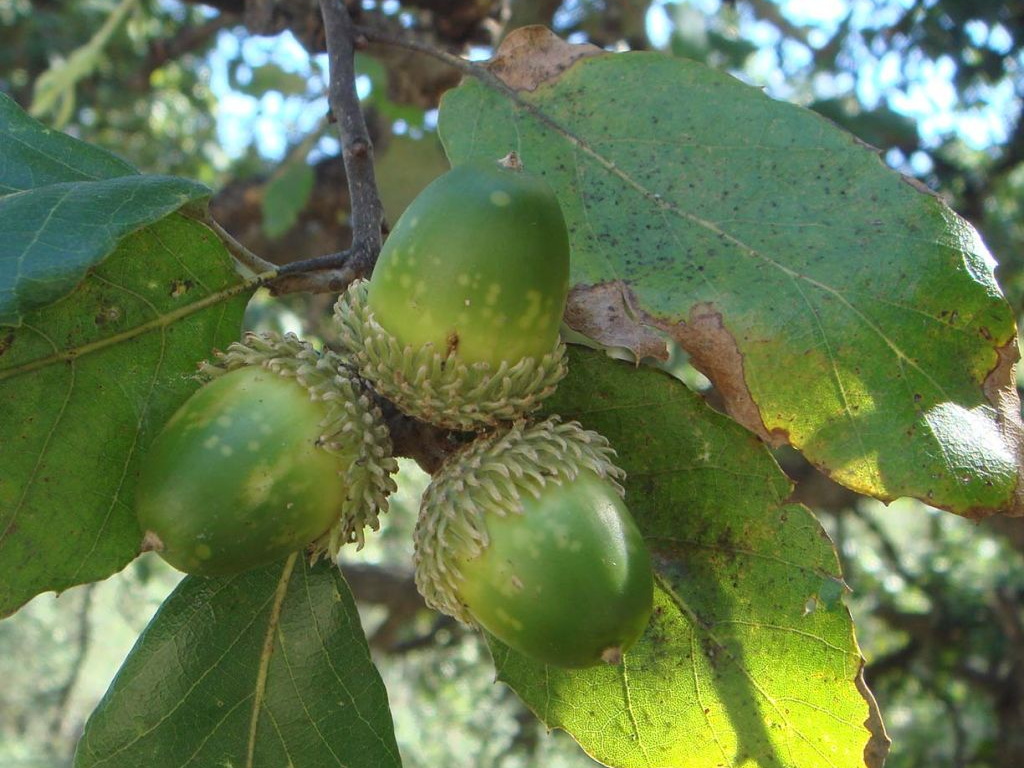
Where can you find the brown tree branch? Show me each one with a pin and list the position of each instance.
(429, 639)
(895, 662)
(334, 272)
(461, 21)
(428, 445)
(955, 714)
(396, 591)
(890, 552)
(454, 21)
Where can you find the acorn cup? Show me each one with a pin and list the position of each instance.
(459, 324)
(282, 449)
(525, 533)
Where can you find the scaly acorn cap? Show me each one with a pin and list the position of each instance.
(353, 429)
(440, 389)
(489, 477)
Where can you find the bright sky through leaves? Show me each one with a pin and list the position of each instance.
(274, 121)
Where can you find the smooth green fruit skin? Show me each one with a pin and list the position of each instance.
(477, 265)
(565, 581)
(235, 480)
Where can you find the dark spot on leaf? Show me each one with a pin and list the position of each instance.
(6, 342)
(108, 314)
(10, 531)
(180, 287)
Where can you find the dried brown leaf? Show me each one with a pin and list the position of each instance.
(530, 56)
(603, 313)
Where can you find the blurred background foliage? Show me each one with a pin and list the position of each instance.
(232, 93)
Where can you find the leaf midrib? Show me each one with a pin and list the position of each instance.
(159, 322)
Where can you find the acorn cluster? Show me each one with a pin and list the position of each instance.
(522, 531)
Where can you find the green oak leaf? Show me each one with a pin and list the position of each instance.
(85, 384)
(285, 196)
(835, 305)
(35, 156)
(283, 677)
(750, 658)
(405, 169)
(64, 206)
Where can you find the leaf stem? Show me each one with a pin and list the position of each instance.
(490, 80)
(481, 73)
(243, 255)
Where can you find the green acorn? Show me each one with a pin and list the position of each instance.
(459, 324)
(282, 449)
(525, 533)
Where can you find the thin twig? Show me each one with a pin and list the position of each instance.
(367, 212)
(891, 554)
(490, 80)
(333, 272)
(384, 37)
(325, 261)
(894, 662)
(243, 255)
(430, 638)
(955, 713)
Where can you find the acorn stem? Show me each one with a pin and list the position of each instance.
(151, 542)
(612, 655)
(511, 161)
(427, 444)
